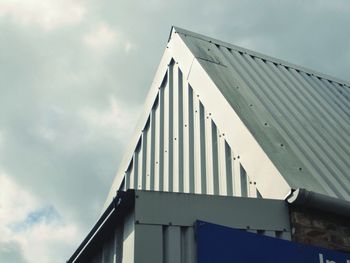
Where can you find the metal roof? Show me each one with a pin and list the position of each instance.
(300, 118)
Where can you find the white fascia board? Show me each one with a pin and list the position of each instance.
(259, 167)
(151, 97)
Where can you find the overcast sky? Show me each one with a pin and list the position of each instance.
(73, 78)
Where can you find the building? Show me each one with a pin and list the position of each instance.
(225, 123)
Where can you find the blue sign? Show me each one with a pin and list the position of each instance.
(219, 244)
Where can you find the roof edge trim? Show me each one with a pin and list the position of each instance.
(260, 55)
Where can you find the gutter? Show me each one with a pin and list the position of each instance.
(120, 201)
(303, 198)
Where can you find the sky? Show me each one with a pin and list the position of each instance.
(73, 79)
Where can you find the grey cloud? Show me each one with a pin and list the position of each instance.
(11, 252)
(47, 77)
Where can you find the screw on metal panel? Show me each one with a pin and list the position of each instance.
(300, 169)
(251, 105)
(156, 162)
(208, 49)
(166, 151)
(198, 96)
(282, 145)
(185, 125)
(250, 182)
(237, 87)
(238, 157)
(265, 123)
(209, 114)
(220, 136)
(234, 158)
(175, 139)
(223, 134)
(254, 183)
(196, 111)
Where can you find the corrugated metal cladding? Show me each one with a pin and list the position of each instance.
(160, 226)
(173, 244)
(182, 150)
(300, 118)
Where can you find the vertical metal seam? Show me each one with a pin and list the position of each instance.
(202, 134)
(180, 131)
(191, 138)
(170, 128)
(215, 158)
(152, 149)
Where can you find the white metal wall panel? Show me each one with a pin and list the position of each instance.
(181, 149)
(157, 244)
(186, 137)
(175, 244)
(175, 135)
(159, 227)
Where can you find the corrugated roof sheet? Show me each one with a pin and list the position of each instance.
(300, 118)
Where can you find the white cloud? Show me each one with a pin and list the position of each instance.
(48, 14)
(116, 120)
(129, 46)
(47, 133)
(1, 137)
(31, 227)
(101, 37)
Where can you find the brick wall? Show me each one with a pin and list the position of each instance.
(320, 229)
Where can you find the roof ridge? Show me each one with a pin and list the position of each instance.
(274, 60)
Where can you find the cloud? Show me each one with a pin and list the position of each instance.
(70, 97)
(1, 137)
(115, 120)
(101, 37)
(31, 230)
(10, 251)
(48, 14)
